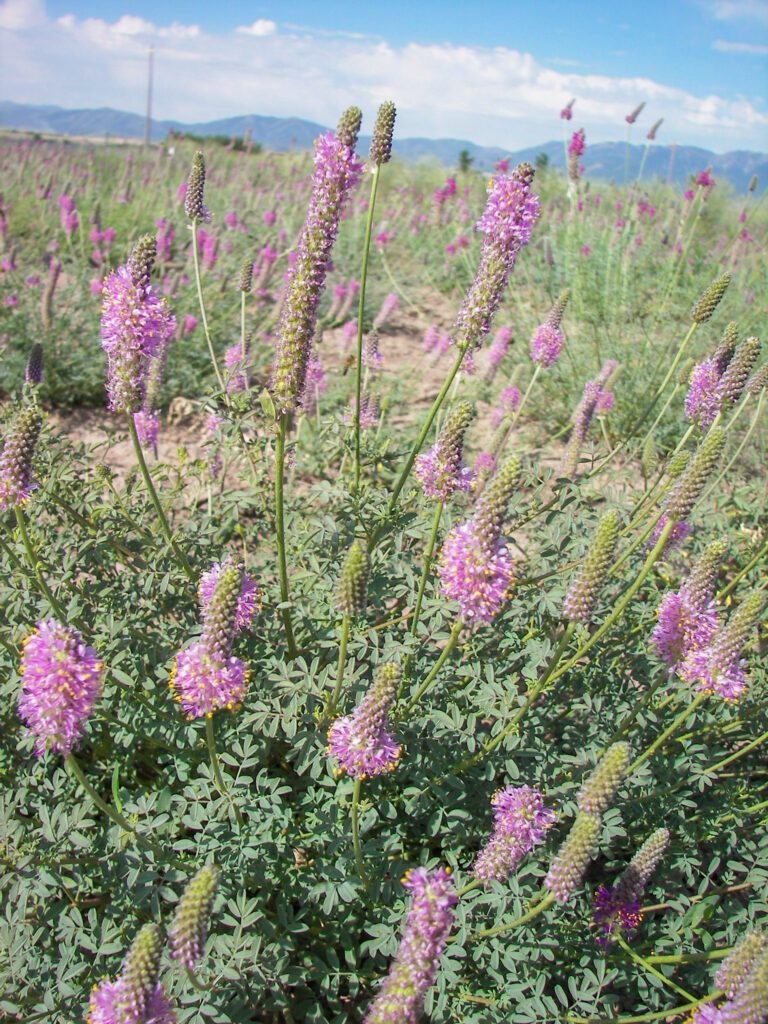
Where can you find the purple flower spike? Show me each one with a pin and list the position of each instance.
(476, 572)
(106, 1002)
(202, 684)
(719, 668)
(136, 326)
(522, 821)
(248, 601)
(361, 742)
(401, 996)
(337, 172)
(441, 470)
(16, 480)
(62, 682)
(702, 403)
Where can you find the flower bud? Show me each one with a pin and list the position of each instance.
(759, 381)
(735, 968)
(141, 263)
(580, 600)
(687, 490)
(190, 922)
(381, 143)
(138, 979)
(194, 205)
(700, 585)
(16, 482)
(734, 378)
(353, 583)
(572, 860)
(349, 126)
(635, 877)
(710, 299)
(650, 460)
(724, 351)
(492, 506)
(245, 280)
(598, 791)
(220, 614)
(749, 1004)
(34, 370)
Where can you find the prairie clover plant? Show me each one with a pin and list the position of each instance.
(531, 689)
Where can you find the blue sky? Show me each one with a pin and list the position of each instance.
(493, 72)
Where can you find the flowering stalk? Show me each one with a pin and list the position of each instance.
(642, 962)
(181, 558)
(445, 654)
(35, 565)
(507, 223)
(381, 150)
(285, 597)
(428, 563)
(664, 736)
(356, 844)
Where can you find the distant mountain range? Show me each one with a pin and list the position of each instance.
(604, 160)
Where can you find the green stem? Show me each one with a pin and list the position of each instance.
(422, 587)
(444, 656)
(536, 909)
(242, 327)
(425, 430)
(739, 753)
(360, 316)
(641, 1018)
(221, 785)
(203, 315)
(690, 958)
(632, 715)
(35, 565)
(196, 984)
(618, 611)
(356, 833)
(330, 707)
(531, 696)
(664, 736)
(469, 887)
(502, 443)
(73, 765)
(652, 970)
(181, 558)
(743, 572)
(285, 611)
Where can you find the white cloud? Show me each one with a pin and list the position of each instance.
(260, 27)
(726, 46)
(739, 10)
(20, 14)
(493, 96)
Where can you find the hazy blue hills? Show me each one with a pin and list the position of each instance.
(602, 160)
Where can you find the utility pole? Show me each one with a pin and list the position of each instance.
(148, 121)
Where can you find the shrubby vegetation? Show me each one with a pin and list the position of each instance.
(463, 588)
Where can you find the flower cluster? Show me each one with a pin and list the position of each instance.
(718, 383)
(361, 743)
(62, 680)
(572, 860)
(206, 676)
(617, 909)
(136, 996)
(190, 922)
(337, 171)
(16, 481)
(522, 821)
(136, 327)
(718, 667)
(548, 339)
(401, 996)
(507, 223)
(579, 602)
(475, 566)
(746, 990)
(441, 469)
(595, 401)
(687, 619)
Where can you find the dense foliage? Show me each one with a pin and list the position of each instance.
(494, 670)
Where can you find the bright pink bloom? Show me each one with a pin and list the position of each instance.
(521, 823)
(62, 680)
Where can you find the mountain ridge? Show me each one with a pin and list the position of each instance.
(603, 160)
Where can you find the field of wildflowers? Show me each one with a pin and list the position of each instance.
(421, 679)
